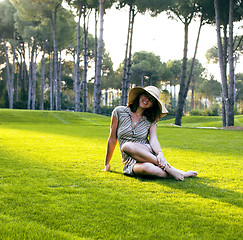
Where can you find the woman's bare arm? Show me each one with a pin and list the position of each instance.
(111, 143)
(153, 140)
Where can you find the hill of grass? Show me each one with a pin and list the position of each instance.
(52, 183)
(202, 121)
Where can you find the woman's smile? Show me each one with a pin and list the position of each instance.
(145, 101)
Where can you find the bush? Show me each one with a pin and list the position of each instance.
(105, 110)
(236, 112)
(215, 111)
(196, 112)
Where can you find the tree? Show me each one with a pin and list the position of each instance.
(97, 83)
(211, 90)
(239, 90)
(147, 69)
(184, 11)
(225, 14)
(108, 75)
(196, 78)
(8, 35)
(173, 76)
(84, 9)
(128, 51)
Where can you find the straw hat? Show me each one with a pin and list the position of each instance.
(154, 91)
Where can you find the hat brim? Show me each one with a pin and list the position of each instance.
(134, 92)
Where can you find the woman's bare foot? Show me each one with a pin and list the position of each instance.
(179, 176)
(190, 174)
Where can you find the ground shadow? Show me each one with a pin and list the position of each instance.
(201, 187)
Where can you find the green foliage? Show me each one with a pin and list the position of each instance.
(173, 71)
(202, 121)
(206, 112)
(239, 86)
(196, 112)
(7, 12)
(52, 185)
(146, 69)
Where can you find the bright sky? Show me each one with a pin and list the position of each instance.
(163, 36)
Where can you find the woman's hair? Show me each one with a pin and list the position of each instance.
(152, 113)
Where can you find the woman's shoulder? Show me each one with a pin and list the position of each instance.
(120, 110)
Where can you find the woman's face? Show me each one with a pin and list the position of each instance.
(146, 100)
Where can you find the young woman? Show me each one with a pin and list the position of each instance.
(134, 126)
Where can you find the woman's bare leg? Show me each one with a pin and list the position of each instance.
(142, 154)
(189, 173)
(149, 169)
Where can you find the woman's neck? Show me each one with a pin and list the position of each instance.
(139, 111)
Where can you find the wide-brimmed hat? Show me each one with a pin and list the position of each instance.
(154, 91)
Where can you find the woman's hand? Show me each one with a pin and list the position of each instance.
(162, 163)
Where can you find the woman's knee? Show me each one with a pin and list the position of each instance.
(126, 147)
(145, 168)
(149, 169)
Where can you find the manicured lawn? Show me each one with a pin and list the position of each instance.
(201, 121)
(52, 185)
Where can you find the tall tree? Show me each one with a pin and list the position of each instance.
(226, 14)
(231, 66)
(147, 69)
(97, 83)
(173, 68)
(84, 9)
(128, 51)
(8, 35)
(222, 64)
(185, 11)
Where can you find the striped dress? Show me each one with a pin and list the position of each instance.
(127, 133)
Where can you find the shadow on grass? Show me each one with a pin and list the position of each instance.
(201, 187)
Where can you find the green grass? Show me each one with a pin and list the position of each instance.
(201, 121)
(52, 185)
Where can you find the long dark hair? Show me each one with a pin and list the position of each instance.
(152, 113)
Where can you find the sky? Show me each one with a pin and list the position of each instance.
(160, 35)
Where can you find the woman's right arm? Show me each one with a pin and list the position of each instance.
(111, 144)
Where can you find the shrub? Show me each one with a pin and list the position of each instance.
(196, 112)
(105, 110)
(215, 111)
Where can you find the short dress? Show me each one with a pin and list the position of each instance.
(127, 133)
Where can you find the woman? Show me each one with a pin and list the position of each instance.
(132, 125)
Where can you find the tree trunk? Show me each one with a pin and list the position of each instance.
(54, 35)
(174, 97)
(193, 94)
(31, 63)
(181, 100)
(51, 81)
(60, 80)
(42, 77)
(231, 67)
(129, 64)
(12, 78)
(33, 89)
(77, 68)
(96, 41)
(97, 86)
(225, 53)
(193, 60)
(24, 68)
(21, 72)
(85, 49)
(17, 84)
(8, 74)
(225, 105)
(124, 76)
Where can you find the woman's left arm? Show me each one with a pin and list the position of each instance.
(154, 143)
